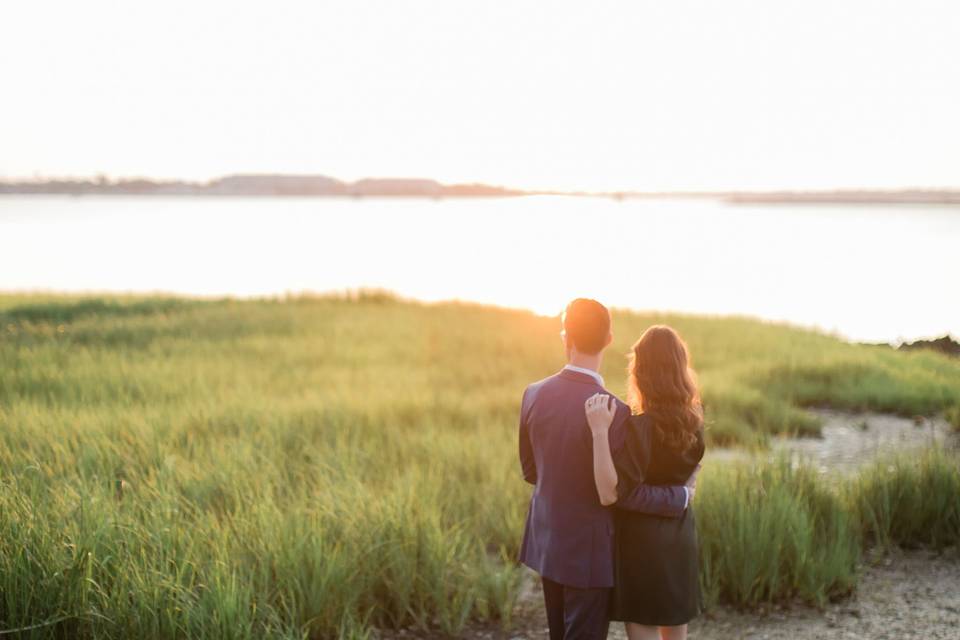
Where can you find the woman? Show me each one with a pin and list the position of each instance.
(656, 576)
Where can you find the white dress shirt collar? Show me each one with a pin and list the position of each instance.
(590, 372)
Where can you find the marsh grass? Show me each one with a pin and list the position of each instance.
(910, 502)
(316, 467)
(953, 417)
(774, 532)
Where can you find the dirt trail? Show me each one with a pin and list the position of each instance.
(851, 440)
(912, 594)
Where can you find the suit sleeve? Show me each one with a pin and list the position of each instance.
(527, 463)
(631, 456)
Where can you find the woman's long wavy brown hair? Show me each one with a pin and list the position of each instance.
(663, 385)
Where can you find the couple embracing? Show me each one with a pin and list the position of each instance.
(610, 529)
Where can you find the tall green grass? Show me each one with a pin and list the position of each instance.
(774, 532)
(316, 467)
(777, 531)
(953, 417)
(910, 502)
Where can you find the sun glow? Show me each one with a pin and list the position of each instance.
(599, 95)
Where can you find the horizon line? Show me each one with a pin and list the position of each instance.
(105, 180)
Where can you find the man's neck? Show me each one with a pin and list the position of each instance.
(585, 361)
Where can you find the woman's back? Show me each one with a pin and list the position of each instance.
(666, 465)
(656, 573)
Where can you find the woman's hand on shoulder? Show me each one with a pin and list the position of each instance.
(600, 409)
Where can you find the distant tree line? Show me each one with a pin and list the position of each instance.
(255, 185)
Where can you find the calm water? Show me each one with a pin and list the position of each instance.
(867, 272)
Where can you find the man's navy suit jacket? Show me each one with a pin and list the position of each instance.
(569, 535)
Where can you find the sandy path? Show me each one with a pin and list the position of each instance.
(906, 595)
(910, 595)
(851, 440)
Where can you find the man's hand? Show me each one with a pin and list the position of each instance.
(691, 483)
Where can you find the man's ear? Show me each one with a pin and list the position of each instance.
(609, 340)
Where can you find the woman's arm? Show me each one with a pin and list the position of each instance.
(600, 409)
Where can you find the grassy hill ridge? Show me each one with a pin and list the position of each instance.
(756, 376)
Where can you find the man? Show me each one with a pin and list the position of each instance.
(568, 538)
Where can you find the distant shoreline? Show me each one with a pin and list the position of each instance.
(256, 185)
(848, 197)
(280, 185)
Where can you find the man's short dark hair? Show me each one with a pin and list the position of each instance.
(587, 324)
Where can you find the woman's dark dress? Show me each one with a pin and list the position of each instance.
(656, 575)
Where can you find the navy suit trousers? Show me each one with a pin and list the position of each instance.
(576, 614)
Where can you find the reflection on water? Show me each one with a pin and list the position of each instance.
(851, 440)
(870, 272)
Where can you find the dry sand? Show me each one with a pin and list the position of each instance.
(914, 594)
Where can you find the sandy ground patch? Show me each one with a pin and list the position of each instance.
(912, 594)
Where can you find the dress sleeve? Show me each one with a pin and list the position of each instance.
(633, 456)
(632, 461)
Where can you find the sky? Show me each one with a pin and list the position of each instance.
(580, 95)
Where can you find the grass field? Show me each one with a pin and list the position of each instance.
(320, 466)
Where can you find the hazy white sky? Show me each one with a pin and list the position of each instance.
(646, 95)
